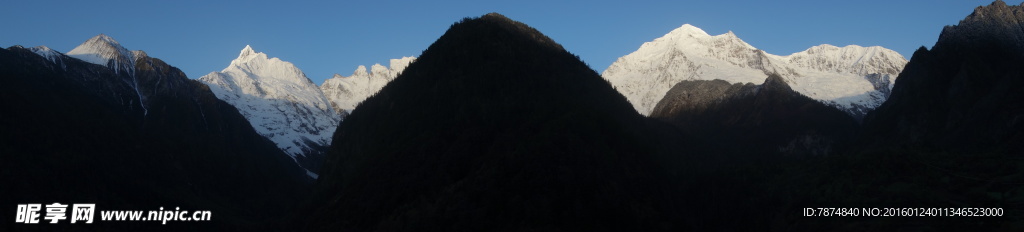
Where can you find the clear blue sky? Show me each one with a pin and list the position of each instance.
(323, 38)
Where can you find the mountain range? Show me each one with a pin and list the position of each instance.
(299, 116)
(345, 93)
(854, 79)
(497, 148)
(288, 108)
(275, 97)
(123, 130)
(496, 126)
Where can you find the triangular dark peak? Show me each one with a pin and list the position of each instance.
(496, 119)
(478, 46)
(517, 28)
(776, 82)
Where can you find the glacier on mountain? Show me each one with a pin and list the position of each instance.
(345, 93)
(854, 79)
(280, 102)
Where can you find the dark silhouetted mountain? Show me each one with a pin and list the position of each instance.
(133, 137)
(494, 127)
(768, 119)
(964, 94)
(950, 135)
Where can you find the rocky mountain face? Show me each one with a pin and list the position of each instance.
(950, 134)
(770, 120)
(962, 94)
(494, 126)
(854, 79)
(281, 103)
(129, 132)
(105, 51)
(345, 93)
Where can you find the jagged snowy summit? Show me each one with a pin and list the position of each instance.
(279, 101)
(345, 93)
(854, 79)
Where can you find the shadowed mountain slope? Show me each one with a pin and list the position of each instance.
(495, 126)
(769, 120)
(77, 132)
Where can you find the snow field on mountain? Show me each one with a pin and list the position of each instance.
(830, 74)
(279, 101)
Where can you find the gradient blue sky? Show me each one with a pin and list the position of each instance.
(323, 38)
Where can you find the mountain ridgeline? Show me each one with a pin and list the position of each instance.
(494, 126)
(962, 95)
(949, 135)
(852, 78)
(345, 93)
(132, 137)
(497, 127)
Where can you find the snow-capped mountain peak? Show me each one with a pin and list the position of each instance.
(379, 70)
(851, 59)
(345, 93)
(852, 78)
(280, 102)
(686, 35)
(246, 52)
(104, 50)
(688, 30)
(46, 52)
(399, 64)
(260, 66)
(360, 71)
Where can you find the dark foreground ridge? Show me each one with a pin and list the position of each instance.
(770, 120)
(963, 95)
(76, 132)
(495, 126)
(951, 134)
